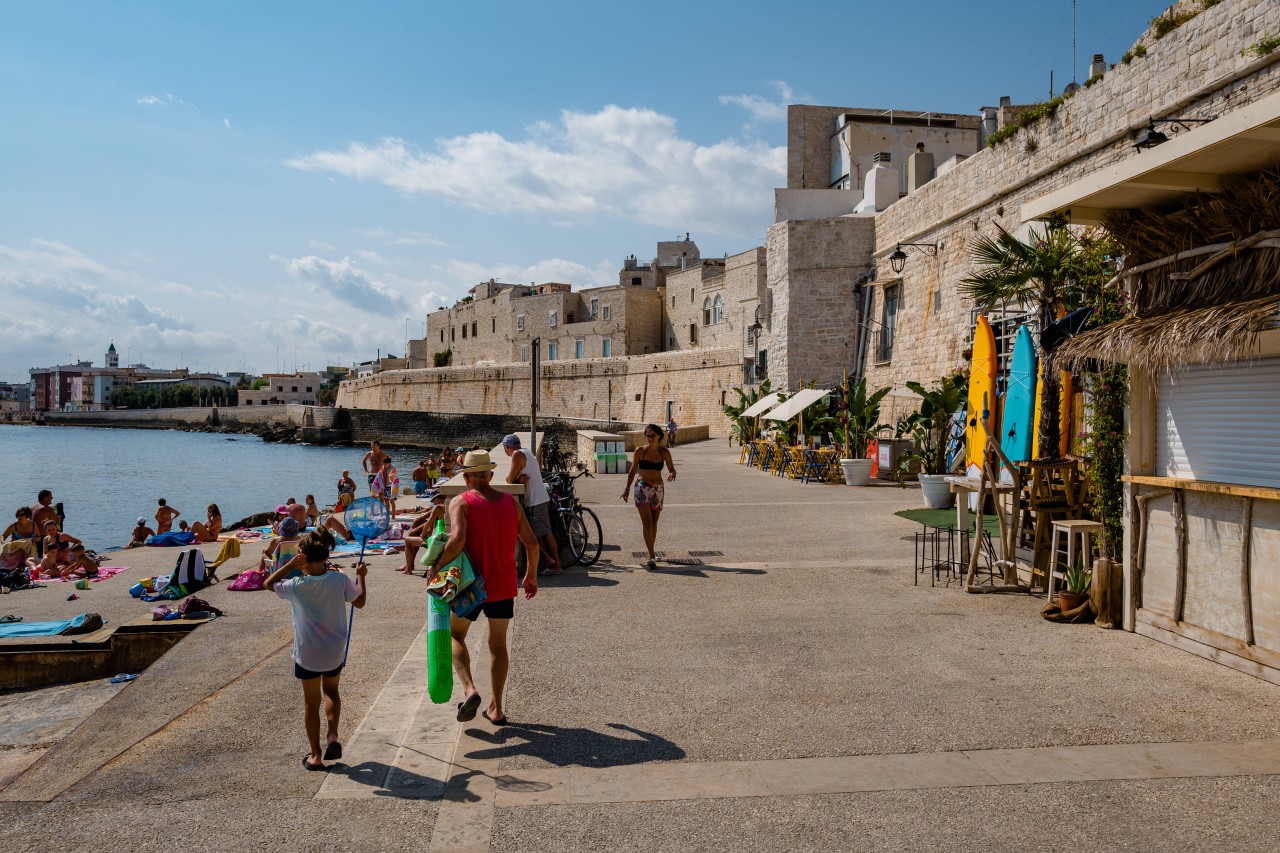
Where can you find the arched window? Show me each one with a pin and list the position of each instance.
(706, 311)
(717, 310)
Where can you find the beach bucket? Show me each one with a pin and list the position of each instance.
(145, 583)
(82, 584)
(136, 590)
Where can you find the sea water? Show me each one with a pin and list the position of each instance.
(105, 478)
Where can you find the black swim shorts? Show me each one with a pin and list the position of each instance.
(504, 609)
(304, 674)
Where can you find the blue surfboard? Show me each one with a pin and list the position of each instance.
(1017, 423)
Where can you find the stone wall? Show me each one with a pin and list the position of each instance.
(430, 430)
(635, 389)
(813, 268)
(1195, 70)
(188, 417)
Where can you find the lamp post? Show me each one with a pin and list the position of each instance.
(898, 259)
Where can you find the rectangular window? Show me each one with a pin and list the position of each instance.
(693, 333)
(555, 319)
(605, 315)
(442, 336)
(671, 343)
(493, 324)
(691, 296)
(453, 334)
(673, 302)
(524, 353)
(464, 331)
(519, 322)
(579, 347)
(888, 323)
(280, 388)
(606, 348)
(473, 328)
(552, 351)
(308, 389)
(295, 389)
(595, 308)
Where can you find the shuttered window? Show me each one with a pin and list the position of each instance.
(1220, 423)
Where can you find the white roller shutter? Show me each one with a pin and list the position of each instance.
(1220, 422)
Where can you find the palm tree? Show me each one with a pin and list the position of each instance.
(1040, 272)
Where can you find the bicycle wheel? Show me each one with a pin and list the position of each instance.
(575, 538)
(594, 543)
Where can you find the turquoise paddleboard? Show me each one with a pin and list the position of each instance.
(1017, 425)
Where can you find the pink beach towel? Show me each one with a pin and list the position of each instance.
(104, 572)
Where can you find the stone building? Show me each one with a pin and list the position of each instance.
(715, 304)
(284, 388)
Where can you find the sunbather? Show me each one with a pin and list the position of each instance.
(421, 529)
(208, 531)
(141, 533)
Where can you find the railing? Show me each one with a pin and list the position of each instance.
(882, 346)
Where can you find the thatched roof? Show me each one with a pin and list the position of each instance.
(1205, 279)
(1216, 333)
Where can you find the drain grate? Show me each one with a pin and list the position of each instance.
(684, 561)
(706, 553)
(644, 555)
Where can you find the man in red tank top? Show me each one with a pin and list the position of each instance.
(487, 524)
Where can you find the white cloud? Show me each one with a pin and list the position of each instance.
(346, 282)
(226, 122)
(162, 100)
(763, 109)
(627, 163)
(391, 238)
(150, 100)
(469, 273)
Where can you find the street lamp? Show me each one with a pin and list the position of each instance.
(898, 259)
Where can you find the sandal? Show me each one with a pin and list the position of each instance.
(467, 710)
(310, 766)
(500, 721)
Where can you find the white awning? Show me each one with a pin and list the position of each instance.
(759, 407)
(802, 400)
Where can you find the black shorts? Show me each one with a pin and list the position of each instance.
(504, 609)
(304, 674)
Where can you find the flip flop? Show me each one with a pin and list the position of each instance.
(499, 722)
(310, 766)
(651, 565)
(333, 751)
(467, 710)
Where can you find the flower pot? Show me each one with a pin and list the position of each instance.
(936, 491)
(1068, 601)
(857, 472)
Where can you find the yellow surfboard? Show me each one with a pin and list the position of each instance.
(982, 393)
(1066, 382)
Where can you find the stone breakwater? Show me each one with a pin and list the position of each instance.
(325, 425)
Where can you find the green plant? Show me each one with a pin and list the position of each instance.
(1209, 4)
(859, 420)
(1139, 50)
(442, 359)
(1262, 46)
(1094, 79)
(259, 384)
(1165, 24)
(1078, 580)
(929, 427)
(1027, 117)
(743, 429)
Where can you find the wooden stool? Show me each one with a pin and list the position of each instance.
(1079, 533)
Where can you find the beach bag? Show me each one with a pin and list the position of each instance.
(469, 600)
(195, 607)
(85, 623)
(250, 580)
(190, 571)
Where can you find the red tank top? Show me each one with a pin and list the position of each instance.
(492, 531)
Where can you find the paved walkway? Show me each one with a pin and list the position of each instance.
(792, 690)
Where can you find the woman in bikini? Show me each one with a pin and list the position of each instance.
(209, 532)
(648, 462)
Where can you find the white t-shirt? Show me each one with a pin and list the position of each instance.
(535, 491)
(319, 617)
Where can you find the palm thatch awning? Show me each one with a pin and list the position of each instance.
(1217, 333)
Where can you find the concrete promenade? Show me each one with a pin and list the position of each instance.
(793, 691)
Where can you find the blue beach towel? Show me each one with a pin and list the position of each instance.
(173, 537)
(41, 629)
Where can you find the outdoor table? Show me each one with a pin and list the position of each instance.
(962, 487)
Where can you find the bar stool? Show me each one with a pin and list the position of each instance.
(1079, 533)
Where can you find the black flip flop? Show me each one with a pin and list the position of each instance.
(501, 722)
(467, 710)
(310, 766)
(333, 751)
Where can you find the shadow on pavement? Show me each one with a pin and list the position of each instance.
(399, 783)
(700, 571)
(575, 747)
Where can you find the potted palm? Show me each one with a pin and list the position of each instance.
(859, 423)
(929, 428)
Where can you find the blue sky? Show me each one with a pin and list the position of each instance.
(224, 185)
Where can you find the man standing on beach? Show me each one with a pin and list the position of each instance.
(537, 503)
(487, 524)
(372, 463)
(42, 510)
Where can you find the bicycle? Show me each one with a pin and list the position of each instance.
(575, 525)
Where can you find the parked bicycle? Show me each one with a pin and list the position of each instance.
(574, 525)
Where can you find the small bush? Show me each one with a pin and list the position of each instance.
(1140, 50)
(1026, 118)
(1209, 4)
(1262, 46)
(442, 359)
(1165, 24)
(1094, 79)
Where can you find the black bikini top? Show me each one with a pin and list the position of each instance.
(646, 465)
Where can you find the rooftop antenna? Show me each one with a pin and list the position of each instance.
(1073, 41)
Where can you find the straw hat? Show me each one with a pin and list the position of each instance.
(476, 461)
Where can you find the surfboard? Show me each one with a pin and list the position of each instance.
(1066, 383)
(1020, 401)
(982, 394)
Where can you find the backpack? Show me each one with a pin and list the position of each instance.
(189, 575)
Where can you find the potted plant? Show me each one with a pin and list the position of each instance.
(1078, 580)
(859, 423)
(930, 429)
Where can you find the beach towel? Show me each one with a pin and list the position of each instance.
(230, 550)
(172, 538)
(77, 625)
(104, 572)
(453, 578)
